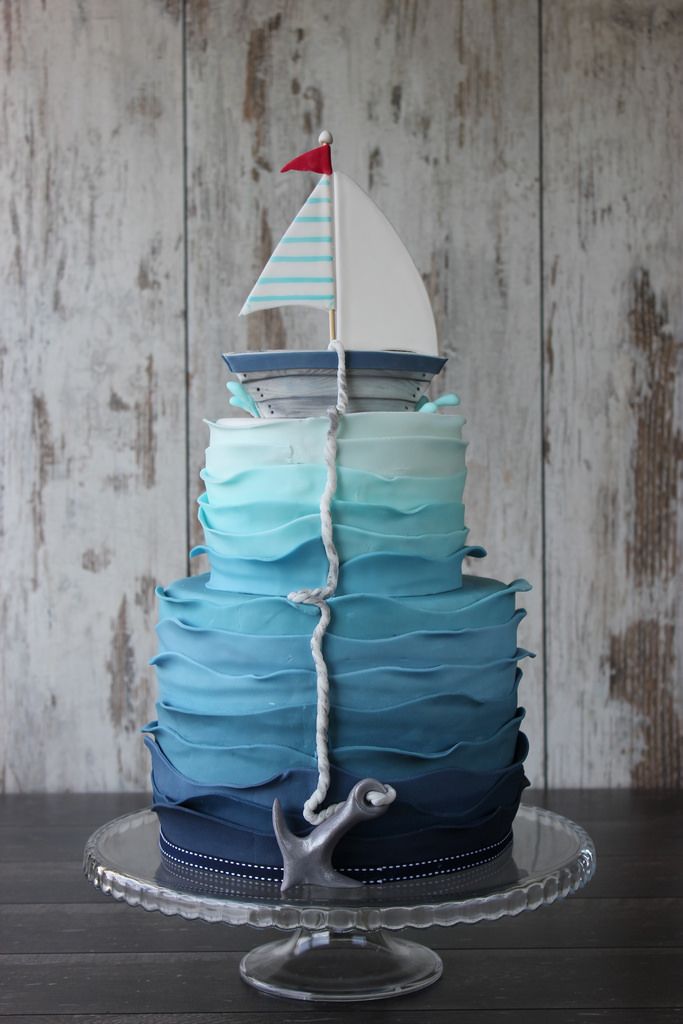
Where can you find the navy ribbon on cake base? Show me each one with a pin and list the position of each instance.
(197, 841)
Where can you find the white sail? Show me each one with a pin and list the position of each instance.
(301, 270)
(382, 302)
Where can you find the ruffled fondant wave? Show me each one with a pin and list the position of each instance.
(303, 484)
(471, 796)
(412, 457)
(410, 723)
(393, 575)
(248, 765)
(354, 426)
(364, 441)
(257, 655)
(257, 517)
(441, 794)
(479, 602)
(184, 683)
(350, 541)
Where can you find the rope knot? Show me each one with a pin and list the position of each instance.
(306, 596)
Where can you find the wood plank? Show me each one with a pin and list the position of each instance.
(107, 926)
(636, 808)
(613, 224)
(93, 382)
(631, 808)
(47, 883)
(589, 806)
(292, 1013)
(63, 882)
(617, 877)
(449, 152)
(81, 810)
(34, 844)
(648, 824)
(629, 875)
(207, 982)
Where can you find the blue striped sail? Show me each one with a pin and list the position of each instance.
(301, 270)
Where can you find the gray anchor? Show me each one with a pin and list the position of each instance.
(308, 860)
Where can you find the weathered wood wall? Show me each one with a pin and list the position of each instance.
(93, 383)
(613, 333)
(529, 154)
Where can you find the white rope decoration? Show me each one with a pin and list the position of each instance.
(318, 596)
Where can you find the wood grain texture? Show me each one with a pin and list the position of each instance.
(93, 381)
(434, 110)
(329, 1015)
(324, 1015)
(207, 982)
(613, 220)
(106, 926)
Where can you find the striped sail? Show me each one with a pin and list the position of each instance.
(301, 270)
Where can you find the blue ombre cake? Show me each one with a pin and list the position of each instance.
(423, 659)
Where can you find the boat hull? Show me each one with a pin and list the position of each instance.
(304, 383)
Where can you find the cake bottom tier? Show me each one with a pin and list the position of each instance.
(440, 822)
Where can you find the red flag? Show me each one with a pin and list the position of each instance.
(317, 160)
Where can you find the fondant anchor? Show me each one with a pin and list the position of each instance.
(308, 860)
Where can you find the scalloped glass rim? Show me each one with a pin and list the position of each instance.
(550, 858)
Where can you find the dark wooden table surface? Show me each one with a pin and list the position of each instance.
(612, 953)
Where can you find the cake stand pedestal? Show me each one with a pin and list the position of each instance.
(342, 949)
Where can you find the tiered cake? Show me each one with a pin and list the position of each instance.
(421, 660)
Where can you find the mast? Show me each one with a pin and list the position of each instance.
(325, 139)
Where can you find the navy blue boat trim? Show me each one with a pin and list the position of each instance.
(251, 362)
(371, 875)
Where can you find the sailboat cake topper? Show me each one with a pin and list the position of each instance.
(341, 255)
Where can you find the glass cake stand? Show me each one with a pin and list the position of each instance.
(342, 948)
